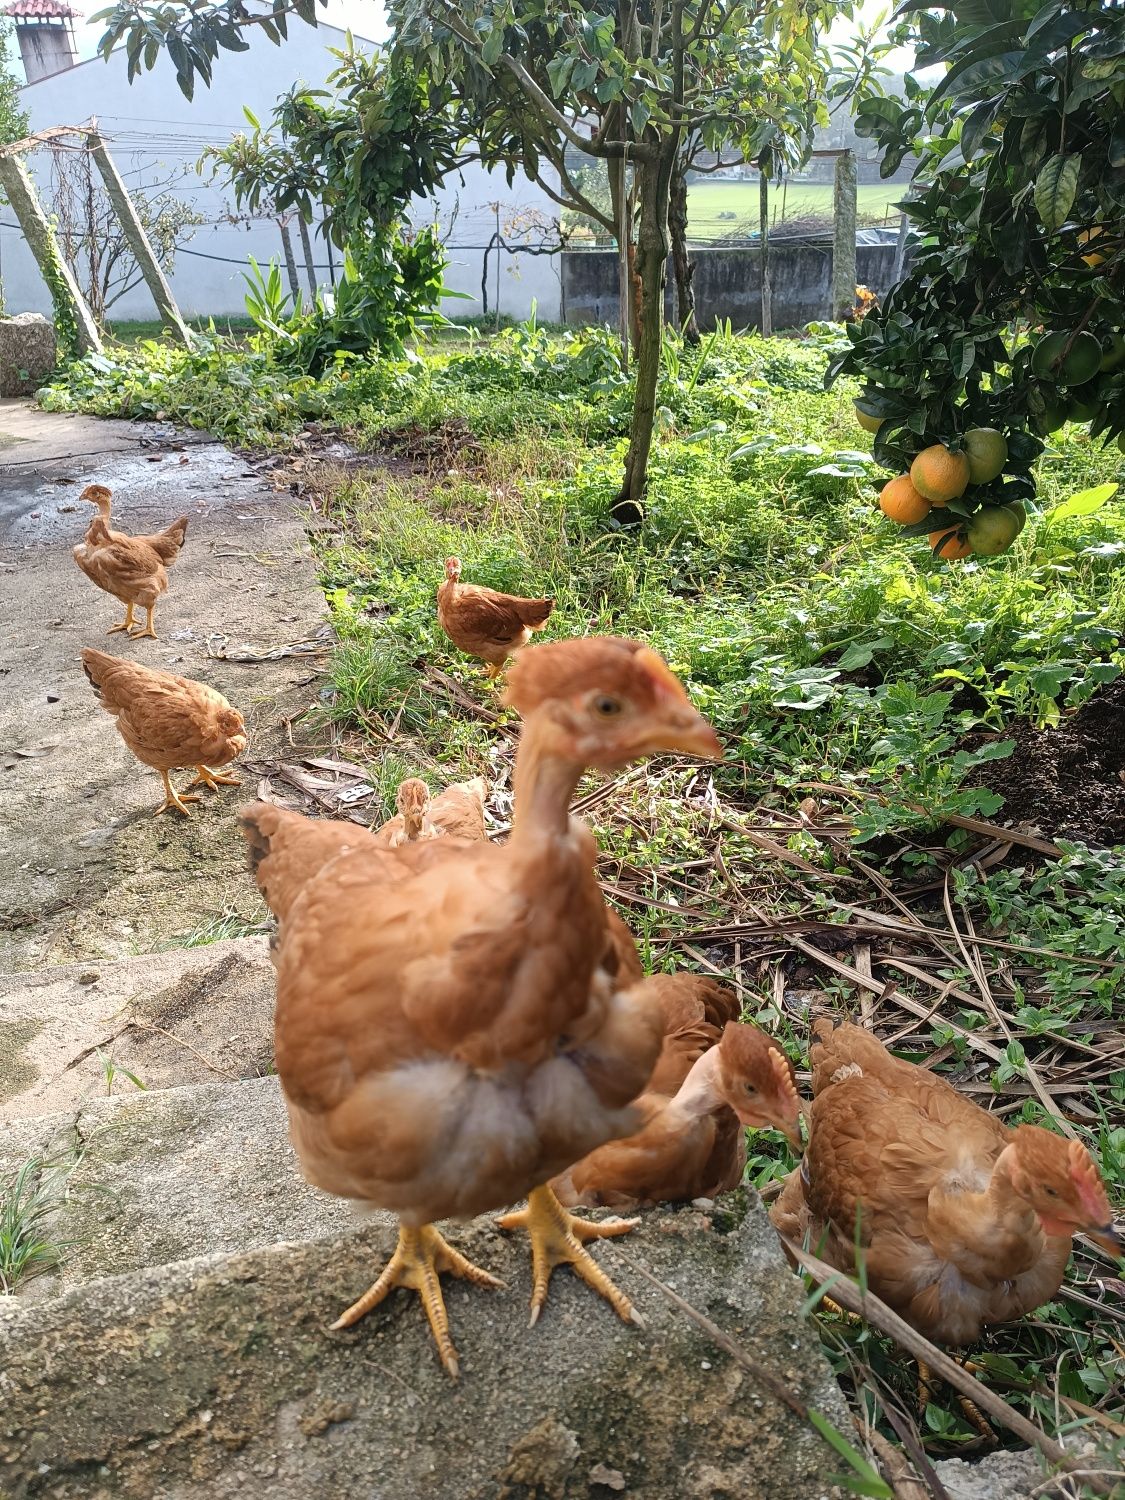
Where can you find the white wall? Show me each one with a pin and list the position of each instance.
(154, 132)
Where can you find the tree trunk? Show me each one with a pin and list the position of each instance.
(654, 179)
(764, 252)
(844, 195)
(682, 267)
(307, 252)
(290, 263)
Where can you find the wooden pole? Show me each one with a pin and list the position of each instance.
(844, 203)
(24, 200)
(138, 241)
(764, 252)
(900, 249)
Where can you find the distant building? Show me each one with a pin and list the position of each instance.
(157, 136)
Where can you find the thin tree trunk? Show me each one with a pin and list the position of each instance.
(621, 218)
(764, 252)
(654, 179)
(307, 252)
(683, 267)
(290, 263)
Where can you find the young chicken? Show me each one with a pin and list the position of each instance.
(457, 812)
(486, 624)
(692, 1145)
(455, 1025)
(963, 1222)
(169, 721)
(131, 568)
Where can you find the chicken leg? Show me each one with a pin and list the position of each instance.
(556, 1239)
(126, 624)
(174, 800)
(927, 1384)
(149, 631)
(212, 779)
(420, 1257)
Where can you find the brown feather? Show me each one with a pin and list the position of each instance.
(165, 720)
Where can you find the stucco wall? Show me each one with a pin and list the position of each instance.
(726, 283)
(154, 132)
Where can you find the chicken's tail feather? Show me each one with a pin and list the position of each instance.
(287, 850)
(167, 543)
(534, 613)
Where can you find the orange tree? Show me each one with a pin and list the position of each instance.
(1011, 315)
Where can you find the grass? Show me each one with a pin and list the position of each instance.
(711, 202)
(27, 1203)
(852, 679)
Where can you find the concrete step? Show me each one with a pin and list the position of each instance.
(218, 1377)
(188, 1015)
(162, 1176)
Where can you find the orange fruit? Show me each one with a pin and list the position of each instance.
(992, 530)
(987, 452)
(940, 475)
(953, 546)
(1084, 238)
(866, 420)
(900, 501)
(1017, 510)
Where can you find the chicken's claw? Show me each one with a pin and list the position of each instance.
(126, 624)
(420, 1257)
(557, 1238)
(174, 800)
(212, 779)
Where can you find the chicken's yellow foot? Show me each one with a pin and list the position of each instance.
(126, 624)
(148, 632)
(494, 670)
(420, 1257)
(557, 1238)
(212, 779)
(927, 1385)
(172, 799)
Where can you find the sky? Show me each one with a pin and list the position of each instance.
(366, 18)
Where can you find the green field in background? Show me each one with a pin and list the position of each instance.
(707, 200)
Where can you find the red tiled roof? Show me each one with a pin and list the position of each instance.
(39, 10)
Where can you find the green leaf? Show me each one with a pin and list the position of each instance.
(1084, 503)
(873, 1484)
(493, 46)
(1055, 188)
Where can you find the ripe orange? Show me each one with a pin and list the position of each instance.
(992, 530)
(987, 452)
(900, 501)
(953, 546)
(940, 475)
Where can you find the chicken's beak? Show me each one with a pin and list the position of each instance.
(1108, 1238)
(689, 733)
(793, 1136)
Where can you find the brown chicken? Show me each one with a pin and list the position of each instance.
(962, 1221)
(457, 812)
(133, 569)
(486, 624)
(169, 721)
(692, 1144)
(451, 1032)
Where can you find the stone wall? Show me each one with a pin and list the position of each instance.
(726, 283)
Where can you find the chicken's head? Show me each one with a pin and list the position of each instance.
(1060, 1180)
(756, 1079)
(412, 800)
(603, 701)
(96, 494)
(453, 569)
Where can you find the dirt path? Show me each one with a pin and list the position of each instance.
(85, 870)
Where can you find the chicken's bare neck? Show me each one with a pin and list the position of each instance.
(543, 786)
(699, 1094)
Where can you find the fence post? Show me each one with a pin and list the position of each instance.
(900, 249)
(17, 184)
(844, 197)
(138, 241)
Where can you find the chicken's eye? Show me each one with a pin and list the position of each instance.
(750, 1089)
(605, 706)
(1050, 1191)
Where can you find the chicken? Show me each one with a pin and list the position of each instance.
(486, 624)
(169, 721)
(692, 1144)
(963, 1222)
(450, 1033)
(133, 569)
(457, 812)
